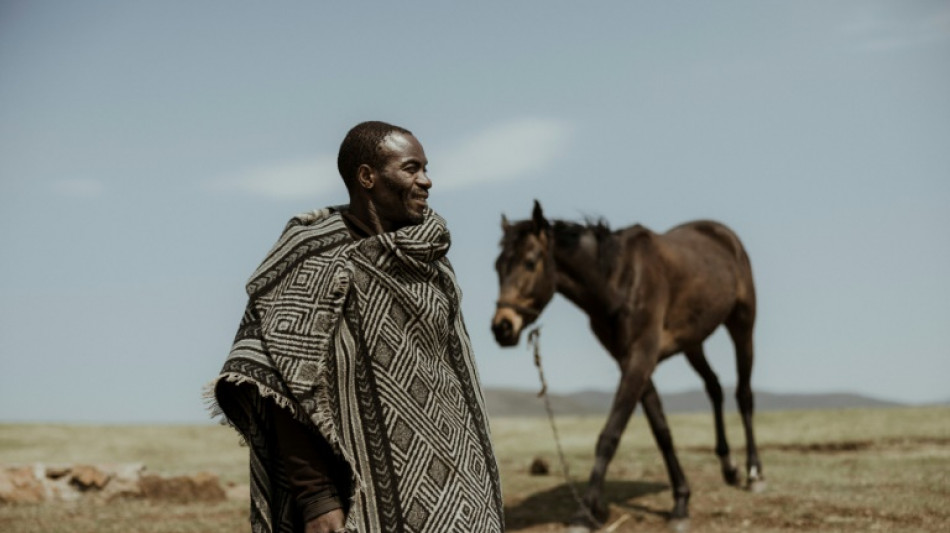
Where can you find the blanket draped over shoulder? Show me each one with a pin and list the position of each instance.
(363, 341)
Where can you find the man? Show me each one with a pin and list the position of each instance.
(351, 376)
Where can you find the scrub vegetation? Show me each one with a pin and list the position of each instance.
(827, 470)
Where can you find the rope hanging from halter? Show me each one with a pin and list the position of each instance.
(534, 342)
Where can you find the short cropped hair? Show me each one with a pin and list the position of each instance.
(361, 146)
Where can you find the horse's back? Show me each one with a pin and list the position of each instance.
(699, 252)
(697, 238)
(698, 231)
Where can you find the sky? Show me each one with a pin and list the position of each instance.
(151, 152)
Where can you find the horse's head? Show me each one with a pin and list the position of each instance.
(526, 275)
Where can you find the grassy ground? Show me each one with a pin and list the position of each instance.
(848, 470)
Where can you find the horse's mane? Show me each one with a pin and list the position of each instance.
(568, 234)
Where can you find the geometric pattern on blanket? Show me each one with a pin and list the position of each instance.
(365, 340)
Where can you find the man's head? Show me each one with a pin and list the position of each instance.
(384, 168)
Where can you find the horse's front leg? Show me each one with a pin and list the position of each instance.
(633, 380)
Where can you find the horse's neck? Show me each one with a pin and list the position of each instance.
(582, 280)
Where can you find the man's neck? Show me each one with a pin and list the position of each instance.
(363, 218)
(358, 228)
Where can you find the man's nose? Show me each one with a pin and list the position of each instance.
(423, 180)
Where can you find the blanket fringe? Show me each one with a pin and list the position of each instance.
(211, 403)
(216, 413)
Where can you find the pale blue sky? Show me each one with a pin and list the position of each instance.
(150, 153)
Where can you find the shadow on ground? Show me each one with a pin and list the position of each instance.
(558, 504)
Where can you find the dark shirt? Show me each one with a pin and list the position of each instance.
(313, 471)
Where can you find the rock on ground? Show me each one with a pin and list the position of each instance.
(105, 482)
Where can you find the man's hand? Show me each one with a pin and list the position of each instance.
(327, 522)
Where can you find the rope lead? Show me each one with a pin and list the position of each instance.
(534, 342)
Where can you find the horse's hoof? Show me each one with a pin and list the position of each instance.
(731, 477)
(582, 523)
(679, 525)
(585, 520)
(756, 486)
(680, 510)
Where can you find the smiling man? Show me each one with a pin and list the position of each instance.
(351, 376)
(391, 190)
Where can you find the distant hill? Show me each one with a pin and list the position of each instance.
(520, 402)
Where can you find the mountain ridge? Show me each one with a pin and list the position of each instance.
(505, 401)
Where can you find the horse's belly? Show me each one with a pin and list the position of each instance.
(689, 327)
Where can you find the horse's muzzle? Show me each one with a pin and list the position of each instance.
(504, 331)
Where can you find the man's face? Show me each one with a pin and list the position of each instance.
(402, 186)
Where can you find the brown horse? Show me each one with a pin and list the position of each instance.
(648, 296)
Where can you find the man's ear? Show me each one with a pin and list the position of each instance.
(366, 176)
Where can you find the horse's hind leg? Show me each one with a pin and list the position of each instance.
(697, 359)
(740, 325)
(653, 409)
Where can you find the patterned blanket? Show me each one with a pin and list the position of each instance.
(364, 341)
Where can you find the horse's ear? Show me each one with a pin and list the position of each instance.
(504, 222)
(540, 223)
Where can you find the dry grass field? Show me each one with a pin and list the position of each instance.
(843, 470)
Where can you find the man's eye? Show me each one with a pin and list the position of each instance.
(530, 264)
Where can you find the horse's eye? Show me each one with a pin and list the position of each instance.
(530, 264)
